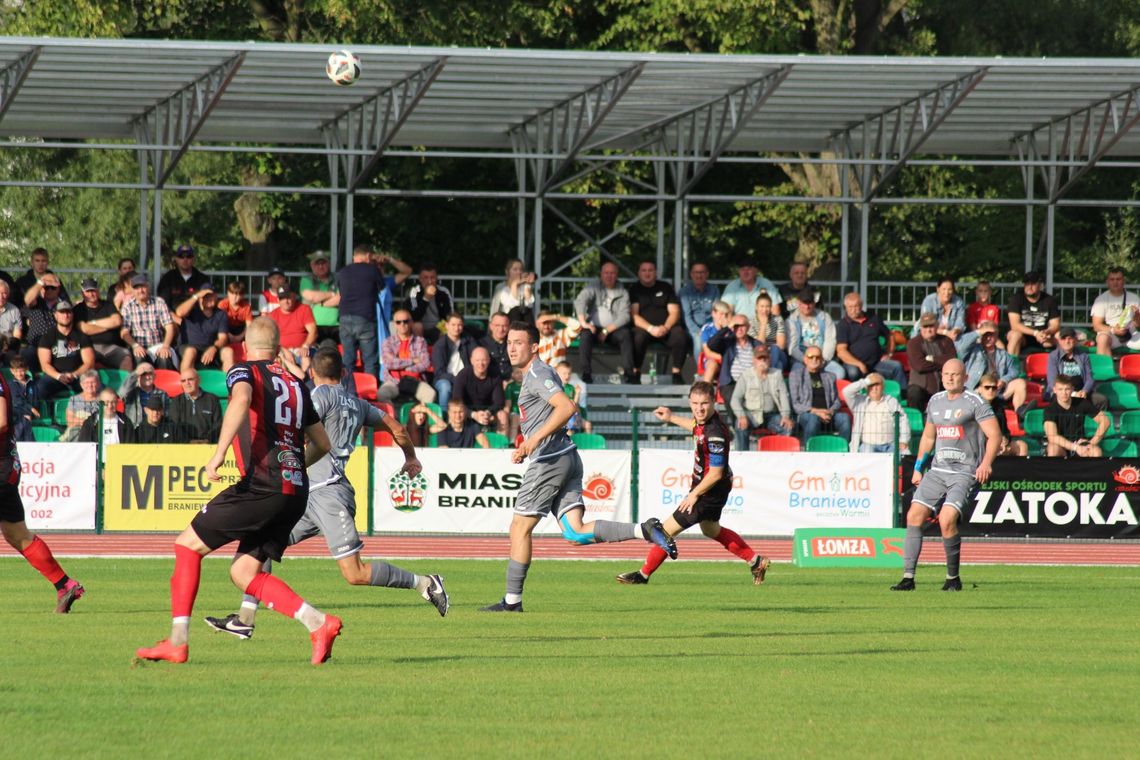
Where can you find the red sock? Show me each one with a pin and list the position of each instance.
(653, 561)
(184, 581)
(275, 593)
(735, 544)
(40, 557)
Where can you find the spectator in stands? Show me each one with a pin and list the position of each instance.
(987, 388)
(577, 393)
(876, 416)
(30, 285)
(1115, 314)
(1034, 317)
(183, 280)
(11, 323)
(1065, 359)
(982, 309)
(515, 297)
(655, 312)
(734, 348)
(461, 432)
(553, 341)
(760, 399)
(697, 298)
(155, 427)
(268, 302)
(101, 322)
(769, 329)
(603, 311)
(24, 399)
(116, 428)
(742, 292)
(320, 292)
(708, 362)
(926, 353)
(120, 288)
(64, 354)
(407, 363)
(82, 405)
(807, 327)
(204, 335)
(495, 341)
(1065, 422)
(857, 343)
(815, 398)
(430, 303)
(481, 391)
(238, 311)
(948, 306)
(296, 325)
(797, 282)
(39, 316)
(450, 354)
(195, 412)
(422, 422)
(981, 354)
(137, 389)
(360, 284)
(389, 298)
(148, 327)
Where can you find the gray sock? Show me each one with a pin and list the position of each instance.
(912, 547)
(953, 547)
(391, 576)
(610, 532)
(516, 576)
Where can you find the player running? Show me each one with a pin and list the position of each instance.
(552, 483)
(269, 415)
(712, 481)
(958, 424)
(12, 524)
(332, 499)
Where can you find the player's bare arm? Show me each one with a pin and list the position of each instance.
(399, 433)
(318, 444)
(241, 395)
(564, 409)
(925, 446)
(993, 445)
(666, 415)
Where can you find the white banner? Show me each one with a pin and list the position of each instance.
(57, 485)
(775, 493)
(473, 491)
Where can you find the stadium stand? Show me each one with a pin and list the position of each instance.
(827, 443)
(778, 443)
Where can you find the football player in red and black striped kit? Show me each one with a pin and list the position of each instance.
(267, 420)
(12, 524)
(712, 481)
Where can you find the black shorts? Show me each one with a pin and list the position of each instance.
(11, 505)
(708, 507)
(260, 521)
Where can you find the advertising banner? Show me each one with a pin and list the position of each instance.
(474, 490)
(848, 547)
(775, 493)
(57, 485)
(161, 488)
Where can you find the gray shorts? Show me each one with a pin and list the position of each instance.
(331, 512)
(551, 486)
(939, 487)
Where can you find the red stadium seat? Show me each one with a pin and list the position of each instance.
(168, 380)
(900, 357)
(382, 438)
(1130, 367)
(1036, 366)
(385, 407)
(1014, 424)
(1034, 391)
(778, 443)
(239, 351)
(366, 385)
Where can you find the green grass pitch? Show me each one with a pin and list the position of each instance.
(1026, 662)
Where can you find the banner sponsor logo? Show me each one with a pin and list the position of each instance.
(949, 431)
(407, 494)
(833, 494)
(847, 547)
(842, 547)
(57, 485)
(1129, 478)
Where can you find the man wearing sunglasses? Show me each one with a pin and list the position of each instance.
(30, 284)
(406, 363)
(183, 280)
(988, 390)
(39, 315)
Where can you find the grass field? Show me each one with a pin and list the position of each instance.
(1027, 662)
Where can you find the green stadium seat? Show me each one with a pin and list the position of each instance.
(827, 443)
(589, 441)
(213, 381)
(59, 411)
(1121, 394)
(892, 388)
(1035, 423)
(1036, 447)
(1102, 368)
(113, 378)
(916, 421)
(1130, 424)
(1119, 447)
(498, 440)
(45, 434)
(1090, 427)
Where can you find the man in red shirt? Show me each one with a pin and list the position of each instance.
(297, 325)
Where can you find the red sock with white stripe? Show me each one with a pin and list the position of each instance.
(40, 557)
(275, 594)
(183, 591)
(653, 561)
(730, 540)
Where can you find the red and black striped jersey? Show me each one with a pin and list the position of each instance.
(270, 444)
(9, 456)
(713, 440)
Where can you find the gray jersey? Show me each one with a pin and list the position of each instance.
(960, 443)
(538, 386)
(343, 415)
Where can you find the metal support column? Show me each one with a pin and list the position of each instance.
(845, 225)
(334, 214)
(1029, 184)
(864, 233)
(349, 223)
(143, 210)
(1050, 218)
(156, 238)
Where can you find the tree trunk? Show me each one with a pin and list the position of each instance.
(256, 227)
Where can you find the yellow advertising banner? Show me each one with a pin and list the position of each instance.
(161, 488)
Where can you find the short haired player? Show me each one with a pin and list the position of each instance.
(712, 481)
(552, 484)
(331, 511)
(964, 436)
(268, 418)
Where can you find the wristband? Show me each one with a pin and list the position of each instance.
(920, 462)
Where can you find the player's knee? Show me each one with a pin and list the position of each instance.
(574, 536)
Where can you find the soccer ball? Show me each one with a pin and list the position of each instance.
(343, 68)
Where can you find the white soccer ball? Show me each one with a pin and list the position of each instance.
(343, 68)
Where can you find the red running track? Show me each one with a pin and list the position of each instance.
(495, 547)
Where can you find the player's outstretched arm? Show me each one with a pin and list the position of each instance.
(666, 415)
(240, 395)
(318, 445)
(400, 435)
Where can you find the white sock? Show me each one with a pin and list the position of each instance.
(180, 631)
(512, 598)
(422, 584)
(310, 617)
